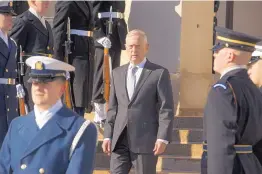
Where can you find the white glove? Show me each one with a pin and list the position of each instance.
(105, 42)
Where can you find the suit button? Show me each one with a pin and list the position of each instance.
(8, 109)
(42, 171)
(16, 109)
(23, 166)
(6, 70)
(15, 70)
(48, 47)
(7, 96)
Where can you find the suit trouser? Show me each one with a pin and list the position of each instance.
(98, 71)
(122, 159)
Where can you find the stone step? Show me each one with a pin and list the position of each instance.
(192, 150)
(166, 163)
(183, 136)
(188, 122)
(104, 171)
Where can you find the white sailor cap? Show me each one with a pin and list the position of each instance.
(6, 7)
(46, 69)
(256, 55)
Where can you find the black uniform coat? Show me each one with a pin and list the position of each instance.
(80, 13)
(233, 116)
(119, 25)
(34, 38)
(8, 100)
(117, 38)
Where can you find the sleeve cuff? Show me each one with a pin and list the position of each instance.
(164, 141)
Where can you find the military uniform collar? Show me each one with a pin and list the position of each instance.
(229, 69)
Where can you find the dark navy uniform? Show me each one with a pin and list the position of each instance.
(30, 33)
(60, 142)
(117, 38)
(233, 116)
(8, 74)
(82, 57)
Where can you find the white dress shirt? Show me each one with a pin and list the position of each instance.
(41, 18)
(4, 37)
(138, 74)
(42, 118)
(232, 68)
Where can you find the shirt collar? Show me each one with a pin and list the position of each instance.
(140, 65)
(225, 71)
(35, 13)
(50, 112)
(4, 36)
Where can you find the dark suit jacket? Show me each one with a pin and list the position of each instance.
(150, 113)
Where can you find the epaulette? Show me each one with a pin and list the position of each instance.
(220, 85)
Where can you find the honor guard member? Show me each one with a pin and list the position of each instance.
(233, 113)
(116, 41)
(34, 34)
(8, 70)
(82, 48)
(52, 138)
(255, 67)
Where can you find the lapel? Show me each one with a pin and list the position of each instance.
(83, 6)
(36, 23)
(28, 128)
(12, 47)
(4, 49)
(123, 78)
(52, 129)
(145, 73)
(49, 31)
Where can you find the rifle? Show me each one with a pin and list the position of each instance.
(20, 89)
(106, 63)
(68, 42)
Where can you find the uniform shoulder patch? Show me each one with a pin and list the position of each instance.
(220, 85)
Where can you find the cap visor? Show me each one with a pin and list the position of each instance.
(217, 47)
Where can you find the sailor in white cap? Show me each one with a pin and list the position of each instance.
(51, 138)
(8, 70)
(255, 67)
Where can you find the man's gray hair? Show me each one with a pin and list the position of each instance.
(137, 32)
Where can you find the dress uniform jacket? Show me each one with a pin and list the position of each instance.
(34, 38)
(119, 25)
(28, 150)
(80, 14)
(8, 100)
(233, 117)
(117, 38)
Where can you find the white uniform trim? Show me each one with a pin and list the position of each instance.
(77, 137)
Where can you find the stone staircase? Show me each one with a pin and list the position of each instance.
(182, 155)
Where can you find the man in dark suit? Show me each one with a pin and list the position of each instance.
(141, 111)
(51, 138)
(233, 113)
(8, 70)
(34, 34)
(81, 22)
(101, 11)
(255, 67)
